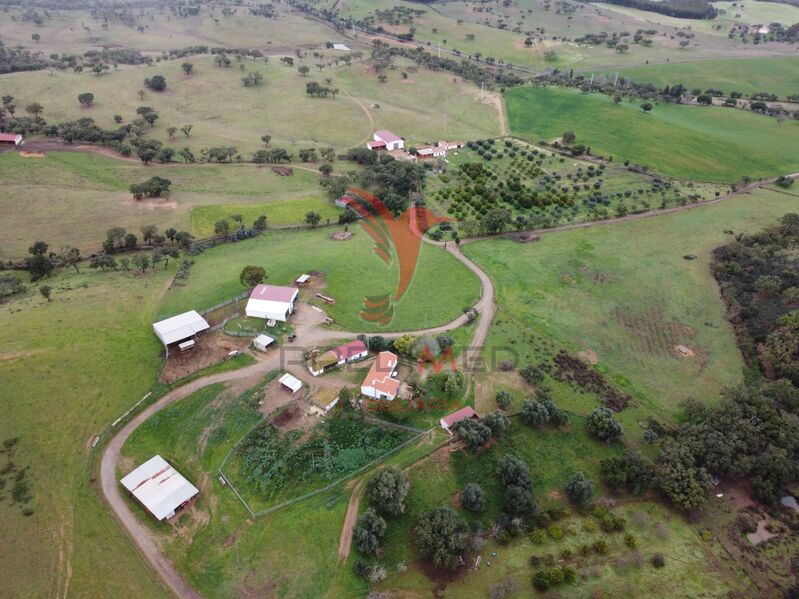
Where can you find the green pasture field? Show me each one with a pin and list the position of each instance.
(280, 214)
(710, 144)
(456, 193)
(628, 294)
(221, 550)
(760, 13)
(74, 197)
(224, 112)
(778, 75)
(553, 456)
(351, 270)
(449, 24)
(77, 31)
(70, 367)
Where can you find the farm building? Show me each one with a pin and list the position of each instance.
(450, 145)
(449, 420)
(289, 382)
(338, 356)
(379, 382)
(431, 152)
(324, 401)
(10, 138)
(262, 342)
(346, 201)
(385, 140)
(271, 302)
(180, 329)
(160, 488)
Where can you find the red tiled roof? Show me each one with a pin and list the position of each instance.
(379, 375)
(459, 415)
(9, 136)
(387, 136)
(273, 293)
(353, 348)
(376, 144)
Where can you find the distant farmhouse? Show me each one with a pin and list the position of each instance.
(395, 145)
(10, 138)
(385, 140)
(272, 302)
(380, 383)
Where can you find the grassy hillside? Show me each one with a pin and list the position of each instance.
(628, 294)
(714, 144)
(225, 113)
(73, 198)
(775, 75)
(81, 30)
(351, 269)
(69, 367)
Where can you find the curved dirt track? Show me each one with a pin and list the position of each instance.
(309, 335)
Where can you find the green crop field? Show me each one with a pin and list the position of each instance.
(351, 271)
(760, 13)
(713, 144)
(424, 107)
(628, 294)
(775, 75)
(73, 198)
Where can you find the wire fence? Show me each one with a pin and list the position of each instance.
(227, 302)
(315, 492)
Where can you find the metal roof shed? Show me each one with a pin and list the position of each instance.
(262, 342)
(160, 488)
(180, 327)
(291, 383)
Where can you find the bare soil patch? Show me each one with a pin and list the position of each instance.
(150, 203)
(761, 534)
(26, 154)
(588, 355)
(209, 350)
(341, 236)
(283, 171)
(273, 397)
(683, 351)
(523, 237)
(651, 332)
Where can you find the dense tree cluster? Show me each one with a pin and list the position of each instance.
(387, 491)
(759, 282)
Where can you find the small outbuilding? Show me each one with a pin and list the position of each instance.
(272, 302)
(10, 138)
(180, 328)
(160, 488)
(448, 421)
(262, 342)
(291, 383)
(302, 280)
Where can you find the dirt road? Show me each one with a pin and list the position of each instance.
(345, 540)
(309, 335)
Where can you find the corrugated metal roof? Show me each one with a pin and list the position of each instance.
(159, 487)
(180, 327)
